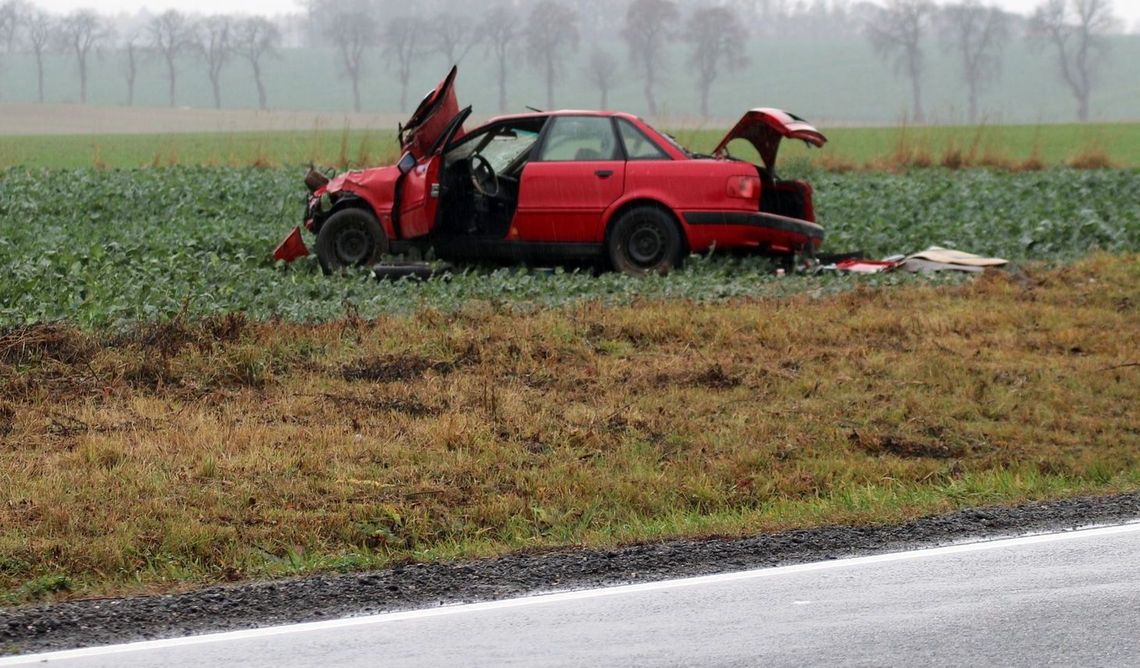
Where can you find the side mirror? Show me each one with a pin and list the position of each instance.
(314, 180)
(406, 163)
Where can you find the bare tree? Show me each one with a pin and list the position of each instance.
(896, 33)
(718, 39)
(401, 46)
(452, 36)
(602, 72)
(171, 34)
(132, 49)
(353, 28)
(82, 31)
(39, 32)
(648, 24)
(766, 15)
(551, 30)
(822, 20)
(216, 44)
(499, 30)
(595, 17)
(257, 37)
(12, 13)
(11, 18)
(1075, 28)
(978, 34)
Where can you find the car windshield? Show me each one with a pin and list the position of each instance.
(501, 146)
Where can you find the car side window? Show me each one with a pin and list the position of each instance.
(637, 145)
(579, 139)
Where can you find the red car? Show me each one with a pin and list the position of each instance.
(561, 186)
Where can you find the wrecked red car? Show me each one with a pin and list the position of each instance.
(561, 186)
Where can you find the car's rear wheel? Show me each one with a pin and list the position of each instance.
(350, 238)
(645, 240)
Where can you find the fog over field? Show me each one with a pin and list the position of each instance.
(834, 61)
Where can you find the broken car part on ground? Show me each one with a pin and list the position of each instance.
(561, 186)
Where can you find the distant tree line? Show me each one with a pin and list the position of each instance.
(976, 34)
(541, 33)
(216, 40)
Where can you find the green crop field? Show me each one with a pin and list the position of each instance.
(100, 247)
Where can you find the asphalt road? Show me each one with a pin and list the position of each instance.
(1057, 599)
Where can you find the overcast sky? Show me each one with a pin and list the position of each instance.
(1127, 9)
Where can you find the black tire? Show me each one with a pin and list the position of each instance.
(350, 238)
(644, 240)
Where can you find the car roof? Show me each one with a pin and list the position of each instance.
(561, 112)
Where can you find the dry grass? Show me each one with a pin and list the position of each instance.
(261, 159)
(953, 158)
(919, 148)
(919, 155)
(1091, 157)
(1032, 163)
(190, 452)
(835, 163)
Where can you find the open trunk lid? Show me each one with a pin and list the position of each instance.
(764, 128)
(432, 118)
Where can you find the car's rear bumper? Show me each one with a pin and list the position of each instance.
(765, 221)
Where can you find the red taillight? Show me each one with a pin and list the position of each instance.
(744, 187)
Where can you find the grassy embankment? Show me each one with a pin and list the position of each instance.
(1018, 147)
(191, 452)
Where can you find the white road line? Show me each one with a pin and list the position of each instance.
(383, 618)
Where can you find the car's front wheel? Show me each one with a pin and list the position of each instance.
(645, 240)
(350, 238)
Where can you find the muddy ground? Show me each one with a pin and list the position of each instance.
(94, 622)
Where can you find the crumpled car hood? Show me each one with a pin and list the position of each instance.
(369, 183)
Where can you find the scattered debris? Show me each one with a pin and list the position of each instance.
(934, 258)
(941, 259)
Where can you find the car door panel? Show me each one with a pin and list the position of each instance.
(419, 195)
(579, 172)
(564, 201)
(417, 205)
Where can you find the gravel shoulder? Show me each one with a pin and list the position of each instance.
(94, 622)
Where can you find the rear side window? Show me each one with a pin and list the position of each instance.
(579, 138)
(638, 146)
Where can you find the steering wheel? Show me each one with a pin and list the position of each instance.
(483, 176)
